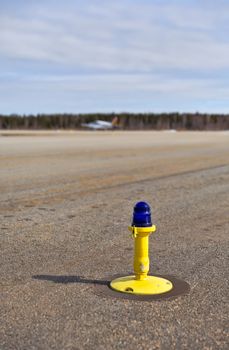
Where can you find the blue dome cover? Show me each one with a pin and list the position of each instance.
(142, 215)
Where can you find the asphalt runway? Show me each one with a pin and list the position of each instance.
(66, 200)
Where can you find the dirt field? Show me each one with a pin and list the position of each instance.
(66, 200)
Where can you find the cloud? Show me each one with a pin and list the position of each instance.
(138, 48)
(118, 36)
(114, 92)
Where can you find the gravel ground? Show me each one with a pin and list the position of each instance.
(66, 202)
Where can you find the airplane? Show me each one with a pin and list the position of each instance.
(101, 124)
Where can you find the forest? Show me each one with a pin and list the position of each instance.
(126, 121)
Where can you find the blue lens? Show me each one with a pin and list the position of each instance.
(142, 215)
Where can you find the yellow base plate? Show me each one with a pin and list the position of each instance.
(150, 286)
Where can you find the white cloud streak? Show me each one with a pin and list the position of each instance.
(119, 36)
(141, 51)
(122, 85)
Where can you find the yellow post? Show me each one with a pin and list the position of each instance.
(141, 250)
(141, 283)
(141, 258)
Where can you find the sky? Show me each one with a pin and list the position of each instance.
(79, 56)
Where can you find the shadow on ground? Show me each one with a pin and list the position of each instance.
(69, 279)
(179, 287)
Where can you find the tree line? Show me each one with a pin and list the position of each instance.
(127, 121)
